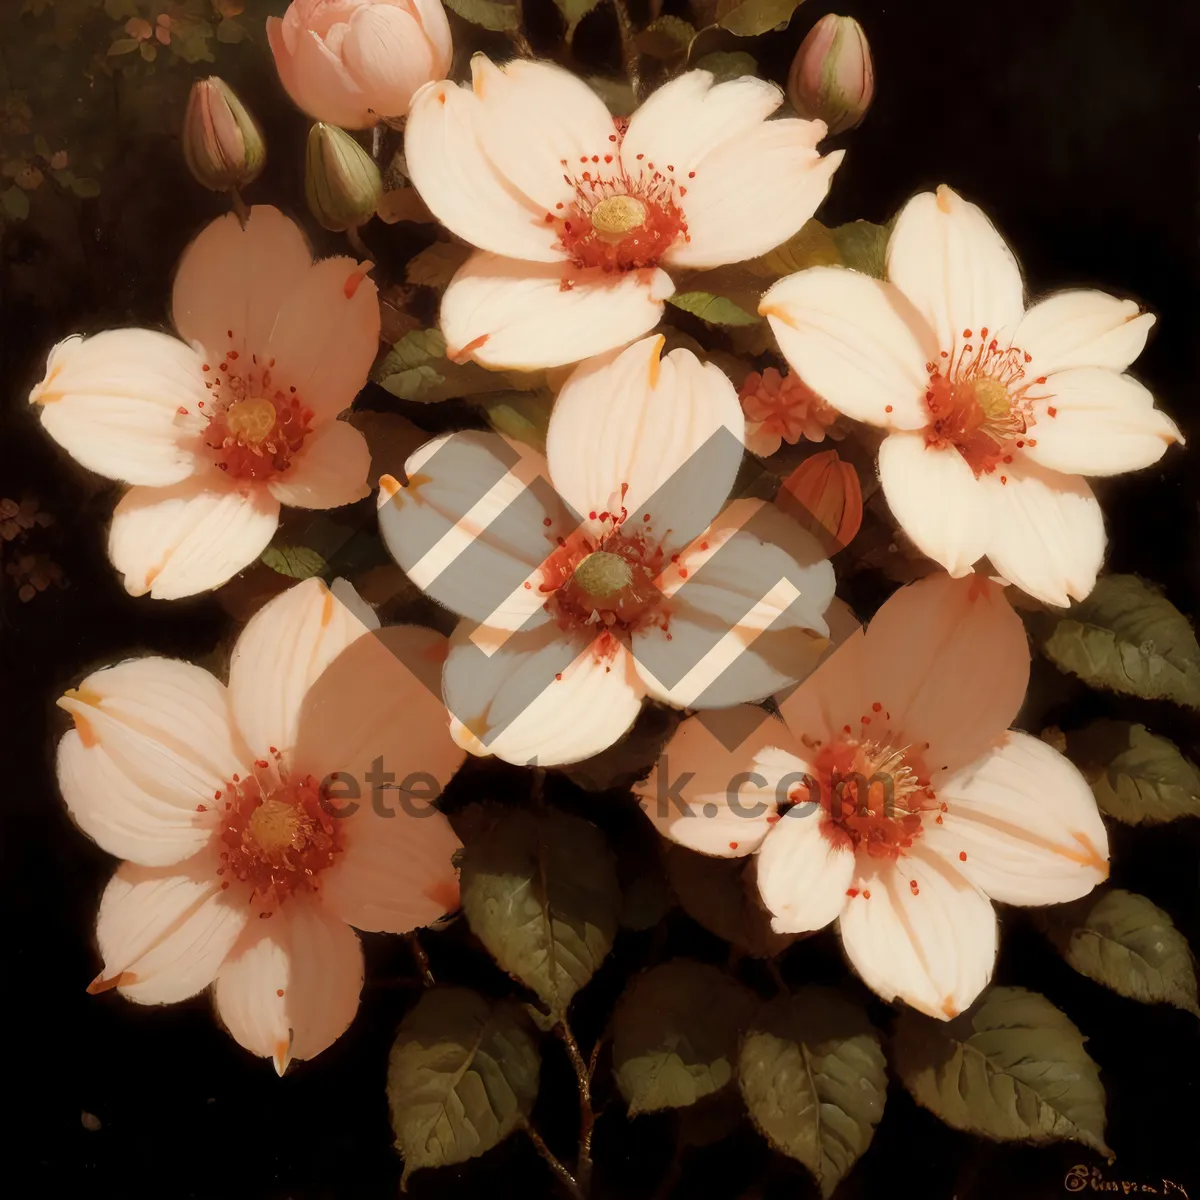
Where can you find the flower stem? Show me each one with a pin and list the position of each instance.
(239, 206)
(563, 1175)
(629, 50)
(587, 1118)
(422, 959)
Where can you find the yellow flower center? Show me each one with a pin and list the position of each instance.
(616, 216)
(251, 420)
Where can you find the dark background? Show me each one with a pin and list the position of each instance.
(1074, 123)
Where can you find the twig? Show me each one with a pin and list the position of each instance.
(564, 1176)
(422, 959)
(239, 206)
(587, 1118)
(629, 51)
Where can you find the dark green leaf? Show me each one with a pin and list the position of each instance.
(1127, 943)
(812, 246)
(416, 368)
(675, 1035)
(1012, 1067)
(488, 14)
(119, 9)
(749, 18)
(617, 94)
(863, 246)
(85, 188)
(716, 893)
(14, 203)
(123, 46)
(231, 32)
(813, 1076)
(524, 416)
(463, 1074)
(296, 562)
(1136, 776)
(435, 265)
(541, 893)
(1125, 637)
(666, 37)
(727, 64)
(715, 310)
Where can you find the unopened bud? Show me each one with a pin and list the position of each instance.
(823, 493)
(832, 78)
(222, 143)
(341, 181)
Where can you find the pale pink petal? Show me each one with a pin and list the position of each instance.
(937, 500)
(475, 523)
(658, 437)
(279, 655)
(164, 931)
(1022, 824)
(947, 258)
(326, 336)
(709, 790)
(321, 85)
(330, 470)
(444, 150)
(1091, 421)
(856, 341)
(508, 314)
(432, 15)
(532, 117)
(153, 743)
(233, 281)
(949, 663)
(290, 988)
(1083, 329)
(387, 55)
(835, 695)
(688, 117)
(932, 945)
(752, 193)
(540, 698)
(802, 873)
(191, 537)
(1047, 532)
(124, 404)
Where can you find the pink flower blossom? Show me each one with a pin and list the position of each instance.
(894, 799)
(576, 214)
(782, 408)
(219, 427)
(244, 867)
(354, 62)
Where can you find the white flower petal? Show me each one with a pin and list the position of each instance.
(542, 698)
(932, 946)
(330, 470)
(444, 150)
(752, 193)
(290, 988)
(656, 437)
(1047, 532)
(153, 742)
(856, 341)
(124, 404)
(1102, 424)
(949, 664)
(1083, 329)
(191, 537)
(688, 117)
(475, 523)
(537, 122)
(279, 655)
(937, 500)
(711, 789)
(526, 315)
(947, 258)
(164, 931)
(1022, 824)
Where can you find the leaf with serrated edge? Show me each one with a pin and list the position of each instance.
(1125, 942)
(1012, 1068)
(462, 1075)
(749, 18)
(675, 1035)
(487, 14)
(813, 1076)
(296, 562)
(666, 37)
(541, 893)
(435, 265)
(1136, 776)
(1126, 637)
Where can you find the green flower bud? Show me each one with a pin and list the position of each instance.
(832, 78)
(341, 181)
(222, 143)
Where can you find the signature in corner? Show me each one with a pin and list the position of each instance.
(1081, 1178)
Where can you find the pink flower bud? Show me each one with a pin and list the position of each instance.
(832, 78)
(823, 493)
(355, 62)
(222, 143)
